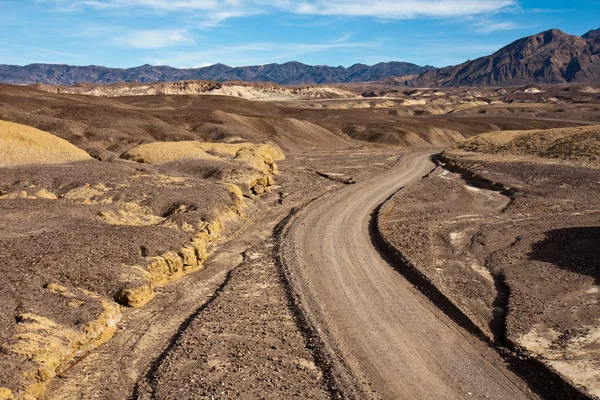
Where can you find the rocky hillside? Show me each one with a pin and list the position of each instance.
(549, 57)
(290, 73)
(595, 35)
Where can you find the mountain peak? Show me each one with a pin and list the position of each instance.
(550, 36)
(593, 34)
(554, 31)
(549, 57)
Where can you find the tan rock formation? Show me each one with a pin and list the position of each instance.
(22, 145)
(51, 345)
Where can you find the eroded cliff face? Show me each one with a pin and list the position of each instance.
(86, 237)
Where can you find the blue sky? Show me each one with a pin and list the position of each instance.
(195, 33)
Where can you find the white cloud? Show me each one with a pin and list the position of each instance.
(39, 49)
(154, 39)
(215, 18)
(343, 39)
(395, 9)
(163, 5)
(490, 27)
(381, 9)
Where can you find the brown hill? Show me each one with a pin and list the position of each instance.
(106, 127)
(549, 57)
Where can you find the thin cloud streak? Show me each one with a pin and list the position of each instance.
(41, 50)
(380, 9)
(154, 39)
(210, 14)
(486, 27)
(394, 9)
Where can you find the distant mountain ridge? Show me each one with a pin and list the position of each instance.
(549, 57)
(291, 73)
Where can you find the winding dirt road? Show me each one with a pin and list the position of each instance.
(392, 341)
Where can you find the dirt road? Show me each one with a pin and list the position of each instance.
(392, 340)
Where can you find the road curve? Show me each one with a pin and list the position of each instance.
(393, 341)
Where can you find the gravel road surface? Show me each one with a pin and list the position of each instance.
(387, 336)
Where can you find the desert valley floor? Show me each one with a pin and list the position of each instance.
(244, 241)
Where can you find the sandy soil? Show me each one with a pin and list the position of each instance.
(238, 347)
(148, 334)
(571, 146)
(73, 237)
(79, 239)
(23, 145)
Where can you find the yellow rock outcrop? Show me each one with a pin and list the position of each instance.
(44, 194)
(50, 345)
(23, 145)
(166, 152)
(172, 265)
(6, 394)
(261, 157)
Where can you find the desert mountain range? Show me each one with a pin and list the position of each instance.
(549, 57)
(290, 73)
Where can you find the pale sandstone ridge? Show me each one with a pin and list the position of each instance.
(22, 145)
(172, 265)
(250, 91)
(260, 158)
(579, 146)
